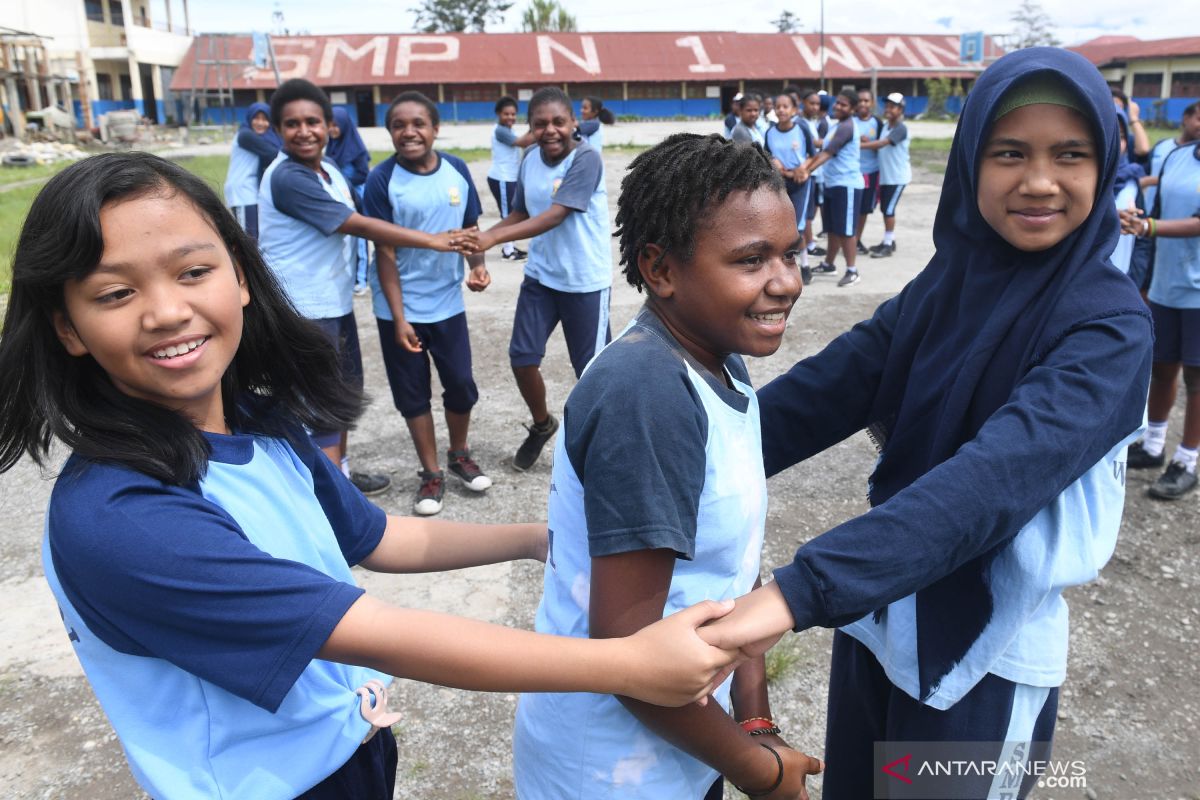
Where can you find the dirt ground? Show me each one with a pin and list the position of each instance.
(1128, 710)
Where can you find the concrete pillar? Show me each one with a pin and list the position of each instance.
(33, 84)
(187, 23)
(159, 99)
(1127, 86)
(260, 96)
(1168, 79)
(441, 93)
(135, 81)
(13, 101)
(624, 90)
(167, 3)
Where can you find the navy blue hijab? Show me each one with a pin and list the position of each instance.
(348, 150)
(977, 319)
(271, 136)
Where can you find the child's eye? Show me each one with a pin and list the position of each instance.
(114, 296)
(197, 272)
(790, 256)
(1007, 154)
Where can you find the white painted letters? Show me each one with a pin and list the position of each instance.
(703, 63)
(589, 62)
(406, 54)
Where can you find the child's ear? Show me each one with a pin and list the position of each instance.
(67, 335)
(242, 285)
(656, 271)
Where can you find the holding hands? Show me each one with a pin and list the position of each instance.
(1133, 221)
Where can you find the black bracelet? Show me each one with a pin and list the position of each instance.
(774, 730)
(778, 780)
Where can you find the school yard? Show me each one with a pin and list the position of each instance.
(1128, 712)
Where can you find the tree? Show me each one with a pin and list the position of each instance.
(787, 22)
(547, 16)
(458, 16)
(1033, 26)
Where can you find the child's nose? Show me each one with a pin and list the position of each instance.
(785, 280)
(166, 310)
(1039, 180)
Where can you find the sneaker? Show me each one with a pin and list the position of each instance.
(821, 235)
(883, 250)
(1138, 458)
(463, 467)
(816, 250)
(851, 277)
(516, 254)
(824, 269)
(1174, 483)
(361, 289)
(369, 483)
(806, 274)
(429, 496)
(531, 448)
(862, 250)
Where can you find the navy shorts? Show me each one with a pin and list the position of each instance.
(866, 708)
(842, 204)
(448, 343)
(889, 197)
(870, 195)
(343, 332)
(800, 195)
(503, 192)
(815, 198)
(247, 217)
(369, 774)
(1176, 335)
(584, 318)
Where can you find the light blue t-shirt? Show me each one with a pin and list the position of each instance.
(1066, 544)
(1158, 154)
(894, 166)
(869, 127)
(299, 213)
(576, 254)
(430, 282)
(628, 477)
(743, 133)
(790, 147)
(844, 168)
(197, 613)
(506, 156)
(241, 181)
(1123, 252)
(814, 128)
(1176, 279)
(596, 137)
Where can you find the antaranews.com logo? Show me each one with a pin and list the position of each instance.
(953, 770)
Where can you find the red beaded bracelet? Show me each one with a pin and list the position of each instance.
(754, 724)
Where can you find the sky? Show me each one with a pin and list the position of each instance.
(1071, 24)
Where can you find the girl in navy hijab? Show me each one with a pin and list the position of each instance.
(1001, 387)
(346, 149)
(254, 148)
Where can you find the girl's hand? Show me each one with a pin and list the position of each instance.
(465, 240)
(406, 337)
(479, 279)
(1132, 221)
(800, 174)
(445, 242)
(485, 240)
(669, 665)
(796, 768)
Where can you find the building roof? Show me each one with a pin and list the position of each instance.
(530, 59)
(1107, 50)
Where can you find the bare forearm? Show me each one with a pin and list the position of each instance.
(385, 233)
(527, 228)
(389, 280)
(412, 544)
(1177, 228)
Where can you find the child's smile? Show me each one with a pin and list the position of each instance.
(162, 312)
(412, 132)
(552, 125)
(304, 131)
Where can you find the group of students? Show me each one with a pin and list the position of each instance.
(838, 158)
(199, 544)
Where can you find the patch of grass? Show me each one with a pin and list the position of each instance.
(11, 175)
(14, 205)
(780, 660)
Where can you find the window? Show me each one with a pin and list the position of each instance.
(104, 89)
(1185, 84)
(94, 9)
(1147, 84)
(114, 12)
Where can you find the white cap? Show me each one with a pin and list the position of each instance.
(895, 97)
(738, 96)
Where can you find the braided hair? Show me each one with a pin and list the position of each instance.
(672, 187)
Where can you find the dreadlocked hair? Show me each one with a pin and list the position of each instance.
(672, 187)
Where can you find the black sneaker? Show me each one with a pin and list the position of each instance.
(851, 277)
(463, 467)
(816, 250)
(862, 251)
(516, 254)
(1138, 458)
(369, 483)
(824, 269)
(531, 448)
(883, 250)
(1174, 483)
(821, 235)
(806, 274)
(429, 495)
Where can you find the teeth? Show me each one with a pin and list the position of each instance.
(179, 349)
(776, 317)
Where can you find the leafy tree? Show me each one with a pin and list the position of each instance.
(547, 16)
(1033, 26)
(458, 16)
(787, 22)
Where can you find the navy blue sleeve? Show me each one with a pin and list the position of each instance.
(251, 142)
(518, 203)
(823, 129)
(637, 446)
(474, 208)
(589, 126)
(297, 192)
(505, 135)
(840, 137)
(1060, 417)
(376, 202)
(158, 571)
(898, 134)
(583, 176)
(741, 134)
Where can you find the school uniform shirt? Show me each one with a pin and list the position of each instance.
(1176, 279)
(895, 168)
(818, 129)
(743, 133)
(592, 132)
(575, 255)
(1158, 154)
(869, 127)
(1123, 252)
(246, 159)
(299, 212)
(762, 123)
(197, 613)
(672, 462)
(431, 282)
(844, 169)
(791, 147)
(506, 156)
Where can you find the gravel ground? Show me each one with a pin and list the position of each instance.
(1128, 710)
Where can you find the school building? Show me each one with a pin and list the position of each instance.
(658, 75)
(91, 56)
(1162, 75)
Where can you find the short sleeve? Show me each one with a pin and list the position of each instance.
(375, 194)
(583, 176)
(158, 571)
(474, 208)
(840, 137)
(505, 135)
(898, 134)
(297, 192)
(642, 468)
(741, 134)
(518, 202)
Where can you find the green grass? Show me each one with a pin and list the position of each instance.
(11, 175)
(779, 661)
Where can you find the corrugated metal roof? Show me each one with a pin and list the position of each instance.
(1101, 52)
(533, 58)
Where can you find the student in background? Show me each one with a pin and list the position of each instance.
(735, 111)
(746, 129)
(254, 148)
(348, 152)
(1127, 194)
(818, 129)
(843, 187)
(867, 126)
(789, 145)
(1136, 138)
(766, 113)
(895, 171)
(507, 149)
(595, 117)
